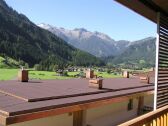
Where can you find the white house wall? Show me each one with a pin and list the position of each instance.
(60, 120)
(113, 114)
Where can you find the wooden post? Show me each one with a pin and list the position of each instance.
(79, 118)
(156, 62)
(140, 105)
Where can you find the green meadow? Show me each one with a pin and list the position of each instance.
(11, 74)
(8, 74)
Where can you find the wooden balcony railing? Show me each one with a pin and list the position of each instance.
(154, 118)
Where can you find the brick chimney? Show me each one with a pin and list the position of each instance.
(23, 75)
(89, 73)
(126, 74)
(96, 83)
(145, 79)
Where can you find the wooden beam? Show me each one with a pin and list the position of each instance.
(137, 6)
(79, 118)
(140, 105)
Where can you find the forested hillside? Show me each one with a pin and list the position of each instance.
(141, 53)
(21, 39)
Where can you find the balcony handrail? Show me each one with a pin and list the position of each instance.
(159, 116)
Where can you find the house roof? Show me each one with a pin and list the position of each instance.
(18, 98)
(147, 8)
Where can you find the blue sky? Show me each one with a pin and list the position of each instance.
(105, 16)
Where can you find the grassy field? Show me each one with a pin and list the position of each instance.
(8, 74)
(45, 75)
(106, 75)
(11, 74)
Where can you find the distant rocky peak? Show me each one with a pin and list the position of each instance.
(45, 26)
(96, 43)
(81, 29)
(103, 36)
(143, 40)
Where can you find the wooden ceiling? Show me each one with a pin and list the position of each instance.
(162, 4)
(147, 8)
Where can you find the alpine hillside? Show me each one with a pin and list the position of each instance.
(21, 39)
(140, 53)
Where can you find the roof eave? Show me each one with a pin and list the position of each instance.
(8, 120)
(147, 9)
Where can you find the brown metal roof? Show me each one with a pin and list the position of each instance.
(15, 97)
(56, 89)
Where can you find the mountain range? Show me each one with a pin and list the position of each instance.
(140, 53)
(21, 39)
(95, 43)
(101, 45)
(50, 47)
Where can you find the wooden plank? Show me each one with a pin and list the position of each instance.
(160, 102)
(161, 121)
(166, 69)
(167, 118)
(144, 119)
(163, 97)
(164, 33)
(162, 55)
(164, 80)
(162, 84)
(163, 36)
(158, 121)
(162, 29)
(163, 49)
(163, 89)
(163, 25)
(164, 118)
(163, 65)
(162, 105)
(163, 40)
(154, 122)
(163, 46)
(163, 72)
